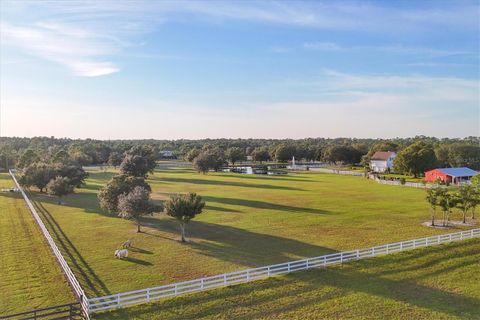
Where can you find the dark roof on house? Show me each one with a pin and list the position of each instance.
(458, 172)
(382, 155)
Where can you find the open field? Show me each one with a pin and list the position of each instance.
(249, 221)
(30, 276)
(435, 283)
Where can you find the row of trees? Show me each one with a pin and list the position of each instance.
(127, 194)
(465, 198)
(415, 155)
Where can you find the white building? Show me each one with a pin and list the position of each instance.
(382, 161)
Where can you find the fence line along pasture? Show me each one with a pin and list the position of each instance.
(63, 264)
(375, 178)
(156, 293)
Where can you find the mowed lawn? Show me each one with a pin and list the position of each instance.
(30, 277)
(441, 282)
(248, 221)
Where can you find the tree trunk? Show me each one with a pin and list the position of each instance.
(433, 217)
(182, 231)
(138, 226)
(465, 215)
(473, 213)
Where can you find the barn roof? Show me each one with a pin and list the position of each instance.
(458, 172)
(382, 155)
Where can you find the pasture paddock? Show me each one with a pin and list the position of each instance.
(249, 221)
(30, 276)
(435, 283)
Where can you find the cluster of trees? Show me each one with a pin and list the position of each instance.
(56, 178)
(127, 194)
(465, 198)
(415, 154)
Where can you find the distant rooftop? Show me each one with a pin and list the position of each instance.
(382, 155)
(458, 172)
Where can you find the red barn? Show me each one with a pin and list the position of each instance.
(450, 175)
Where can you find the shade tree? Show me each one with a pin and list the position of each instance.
(59, 187)
(136, 204)
(118, 185)
(184, 208)
(415, 159)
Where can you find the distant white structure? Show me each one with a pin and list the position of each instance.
(295, 166)
(167, 154)
(382, 161)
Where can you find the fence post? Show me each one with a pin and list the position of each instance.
(307, 264)
(358, 254)
(288, 267)
(248, 275)
(148, 294)
(268, 271)
(202, 283)
(224, 278)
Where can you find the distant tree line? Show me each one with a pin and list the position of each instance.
(415, 155)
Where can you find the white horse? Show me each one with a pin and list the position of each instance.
(127, 244)
(122, 253)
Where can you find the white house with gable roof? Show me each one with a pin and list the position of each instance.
(382, 161)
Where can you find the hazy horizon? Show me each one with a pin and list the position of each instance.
(259, 69)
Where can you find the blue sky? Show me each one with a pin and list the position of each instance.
(197, 69)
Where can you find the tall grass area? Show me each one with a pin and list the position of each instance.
(30, 277)
(249, 220)
(434, 283)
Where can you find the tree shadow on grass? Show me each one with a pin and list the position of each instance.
(266, 177)
(227, 183)
(256, 204)
(138, 261)
(85, 274)
(140, 250)
(311, 290)
(239, 246)
(222, 209)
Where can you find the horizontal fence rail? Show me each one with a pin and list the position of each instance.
(70, 311)
(155, 293)
(63, 264)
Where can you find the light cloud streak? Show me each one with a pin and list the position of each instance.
(75, 49)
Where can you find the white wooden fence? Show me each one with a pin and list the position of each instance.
(406, 184)
(155, 293)
(63, 264)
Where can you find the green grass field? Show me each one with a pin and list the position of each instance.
(441, 282)
(30, 276)
(249, 221)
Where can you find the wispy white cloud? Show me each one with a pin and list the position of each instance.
(394, 49)
(85, 35)
(322, 46)
(77, 49)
